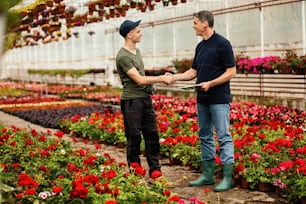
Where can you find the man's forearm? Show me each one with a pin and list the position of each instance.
(186, 76)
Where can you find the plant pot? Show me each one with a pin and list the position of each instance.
(174, 161)
(174, 2)
(278, 191)
(264, 187)
(219, 175)
(120, 145)
(244, 183)
(133, 4)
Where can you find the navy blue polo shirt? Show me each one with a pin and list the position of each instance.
(212, 58)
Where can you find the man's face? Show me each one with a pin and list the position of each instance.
(198, 26)
(135, 34)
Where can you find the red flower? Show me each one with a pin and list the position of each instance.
(102, 188)
(4, 130)
(57, 189)
(138, 170)
(19, 195)
(175, 130)
(31, 191)
(44, 153)
(111, 202)
(107, 155)
(34, 133)
(116, 191)
(91, 179)
(79, 191)
(25, 180)
(75, 118)
(98, 146)
(44, 169)
(29, 142)
(82, 153)
(167, 192)
(59, 134)
(13, 143)
(51, 147)
(275, 171)
(73, 168)
(74, 139)
(108, 175)
(42, 138)
(90, 160)
(286, 165)
(173, 198)
(49, 132)
(206, 190)
(156, 174)
(126, 174)
(122, 164)
(218, 160)
(261, 136)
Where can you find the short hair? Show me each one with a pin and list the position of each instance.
(205, 15)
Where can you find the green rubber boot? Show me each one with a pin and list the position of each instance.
(226, 182)
(207, 177)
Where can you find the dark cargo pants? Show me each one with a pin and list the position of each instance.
(139, 119)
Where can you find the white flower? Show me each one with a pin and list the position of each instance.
(63, 151)
(44, 195)
(161, 140)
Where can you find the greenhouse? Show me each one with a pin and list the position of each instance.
(63, 124)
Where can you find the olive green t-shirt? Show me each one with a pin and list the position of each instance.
(126, 60)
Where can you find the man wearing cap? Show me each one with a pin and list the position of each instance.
(136, 103)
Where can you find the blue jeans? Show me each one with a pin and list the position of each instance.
(210, 117)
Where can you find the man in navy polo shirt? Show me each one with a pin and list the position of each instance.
(213, 66)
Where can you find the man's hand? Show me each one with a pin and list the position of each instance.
(205, 86)
(168, 79)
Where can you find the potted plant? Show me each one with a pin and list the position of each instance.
(182, 65)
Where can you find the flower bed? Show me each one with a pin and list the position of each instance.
(49, 114)
(290, 63)
(35, 169)
(269, 141)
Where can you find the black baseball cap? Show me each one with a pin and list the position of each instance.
(127, 26)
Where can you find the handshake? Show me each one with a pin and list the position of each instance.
(168, 78)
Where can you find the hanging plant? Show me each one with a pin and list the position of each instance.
(174, 2)
(101, 12)
(71, 10)
(133, 4)
(49, 3)
(91, 32)
(151, 6)
(91, 6)
(165, 2)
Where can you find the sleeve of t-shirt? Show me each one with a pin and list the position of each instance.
(126, 64)
(228, 57)
(194, 66)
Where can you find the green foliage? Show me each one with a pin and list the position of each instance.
(182, 65)
(6, 5)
